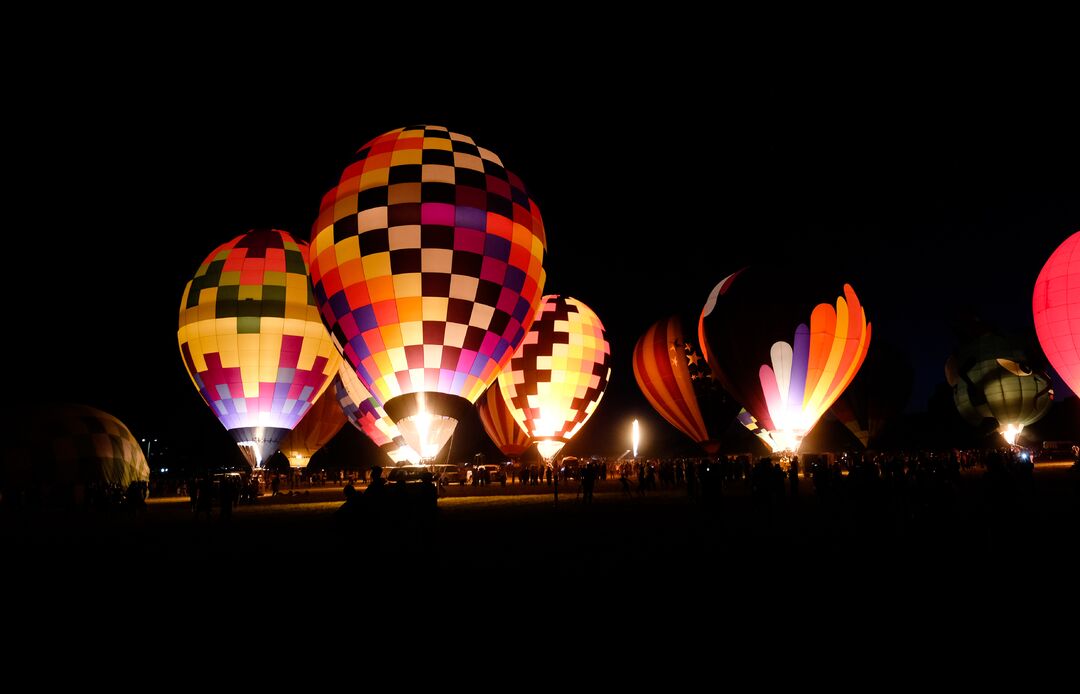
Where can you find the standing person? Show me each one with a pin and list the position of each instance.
(793, 477)
(588, 479)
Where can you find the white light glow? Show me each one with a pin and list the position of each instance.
(635, 438)
(549, 449)
(1010, 432)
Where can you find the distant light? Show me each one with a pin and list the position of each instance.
(163, 469)
(636, 437)
(1024, 456)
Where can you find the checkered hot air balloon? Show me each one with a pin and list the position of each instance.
(366, 415)
(677, 382)
(427, 263)
(500, 425)
(559, 373)
(782, 355)
(321, 423)
(252, 340)
(1056, 308)
(58, 453)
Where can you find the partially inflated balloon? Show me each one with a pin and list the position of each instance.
(876, 396)
(252, 340)
(366, 415)
(559, 373)
(677, 382)
(1056, 307)
(427, 266)
(779, 352)
(991, 379)
(61, 450)
(500, 425)
(321, 423)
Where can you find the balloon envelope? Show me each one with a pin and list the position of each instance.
(366, 415)
(321, 423)
(877, 395)
(64, 447)
(1056, 308)
(559, 373)
(500, 425)
(427, 265)
(991, 379)
(252, 340)
(783, 355)
(676, 380)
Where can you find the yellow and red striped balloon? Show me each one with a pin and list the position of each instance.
(500, 425)
(672, 373)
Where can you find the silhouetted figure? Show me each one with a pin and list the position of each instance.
(588, 480)
(348, 514)
(793, 477)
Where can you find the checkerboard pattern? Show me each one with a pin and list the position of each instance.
(362, 411)
(559, 373)
(250, 334)
(427, 263)
(76, 444)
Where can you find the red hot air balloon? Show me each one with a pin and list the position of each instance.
(676, 380)
(779, 352)
(427, 264)
(500, 425)
(1056, 307)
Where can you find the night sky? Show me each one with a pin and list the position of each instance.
(934, 199)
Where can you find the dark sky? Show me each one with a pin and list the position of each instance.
(933, 194)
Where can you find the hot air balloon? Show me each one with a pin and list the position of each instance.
(500, 425)
(677, 382)
(559, 373)
(252, 340)
(991, 378)
(321, 423)
(366, 415)
(877, 395)
(785, 373)
(1056, 307)
(427, 263)
(62, 451)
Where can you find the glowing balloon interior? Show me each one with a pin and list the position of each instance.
(252, 340)
(1056, 308)
(785, 384)
(558, 375)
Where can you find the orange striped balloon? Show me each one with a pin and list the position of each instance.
(500, 425)
(677, 382)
